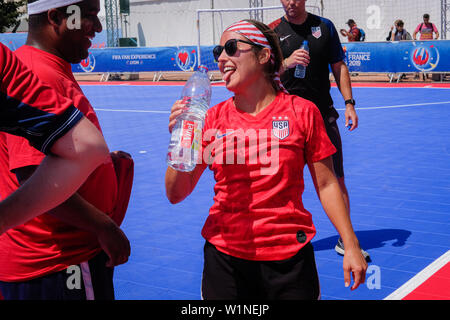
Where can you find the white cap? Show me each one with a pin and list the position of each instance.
(45, 5)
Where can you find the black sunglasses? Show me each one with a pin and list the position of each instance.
(231, 48)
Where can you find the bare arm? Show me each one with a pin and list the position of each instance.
(342, 77)
(330, 195)
(180, 184)
(76, 211)
(76, 155)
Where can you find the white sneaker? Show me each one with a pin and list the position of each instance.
(339, 248)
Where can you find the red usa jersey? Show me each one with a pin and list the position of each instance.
(258, 164)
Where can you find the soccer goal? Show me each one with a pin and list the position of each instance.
(212, 22)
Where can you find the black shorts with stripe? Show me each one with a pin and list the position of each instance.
(90, 280)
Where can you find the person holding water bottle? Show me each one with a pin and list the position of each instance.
(258, 233)
(325, 51)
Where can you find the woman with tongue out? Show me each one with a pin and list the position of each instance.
(258, 233)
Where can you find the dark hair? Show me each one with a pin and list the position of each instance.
(399, 23)
(426, 16)
(271, 68)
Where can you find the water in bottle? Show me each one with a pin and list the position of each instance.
(186, 135)
(300, 70)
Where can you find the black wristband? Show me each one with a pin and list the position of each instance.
(350, 101)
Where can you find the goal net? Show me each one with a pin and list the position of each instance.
(212, 22)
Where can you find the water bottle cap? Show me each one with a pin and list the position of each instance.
(305, 41)
(203, 68)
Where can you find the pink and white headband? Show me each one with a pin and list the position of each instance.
(255, 35)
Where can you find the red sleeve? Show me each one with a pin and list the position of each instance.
(317, 145)
(30, 109)
(355, 33)
(434, 28)
(21, 153)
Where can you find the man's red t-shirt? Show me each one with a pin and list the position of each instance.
(45, 244)
(258, 164)
(29, 108)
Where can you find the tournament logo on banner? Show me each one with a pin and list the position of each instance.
(186, 60)
(425, 58)
(88, 64)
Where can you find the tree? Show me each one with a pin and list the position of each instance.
(10, 14)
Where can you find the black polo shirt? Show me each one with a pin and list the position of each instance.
(324, 49)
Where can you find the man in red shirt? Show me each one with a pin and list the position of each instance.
(47, 248)
(51, 123)
(353, 34)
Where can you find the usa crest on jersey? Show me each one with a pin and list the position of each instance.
(280, 127)
(316, 32)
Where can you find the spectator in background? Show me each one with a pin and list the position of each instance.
(353, 34)
(400, 33)
(426, 29)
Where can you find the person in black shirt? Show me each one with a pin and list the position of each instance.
(325, 51)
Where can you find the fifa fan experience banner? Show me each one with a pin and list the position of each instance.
(139, 59)
(398, 56)
(379, 57)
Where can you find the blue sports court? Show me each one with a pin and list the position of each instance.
(397, 172)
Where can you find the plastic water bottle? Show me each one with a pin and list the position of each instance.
(186, 135)
(300, 70)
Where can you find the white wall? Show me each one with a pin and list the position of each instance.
(173, 22)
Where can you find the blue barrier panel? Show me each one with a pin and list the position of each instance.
(139, 60)
(376, 57)
(13, 40)
(399, 56)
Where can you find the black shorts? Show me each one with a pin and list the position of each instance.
(335, 137)
(91, 280)
(229, 278)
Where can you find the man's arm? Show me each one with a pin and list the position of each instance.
(416, 31)
(76, 211)
(74, 156)
(342, 77)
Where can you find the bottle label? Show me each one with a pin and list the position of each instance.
(189, 134)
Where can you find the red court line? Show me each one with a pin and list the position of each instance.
(432, 283)
(181, 83)
(437, 287)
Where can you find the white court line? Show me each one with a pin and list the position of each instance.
(402, 105)
(131, 110)
(419, 278)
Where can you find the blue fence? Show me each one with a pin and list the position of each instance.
(375, 57)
